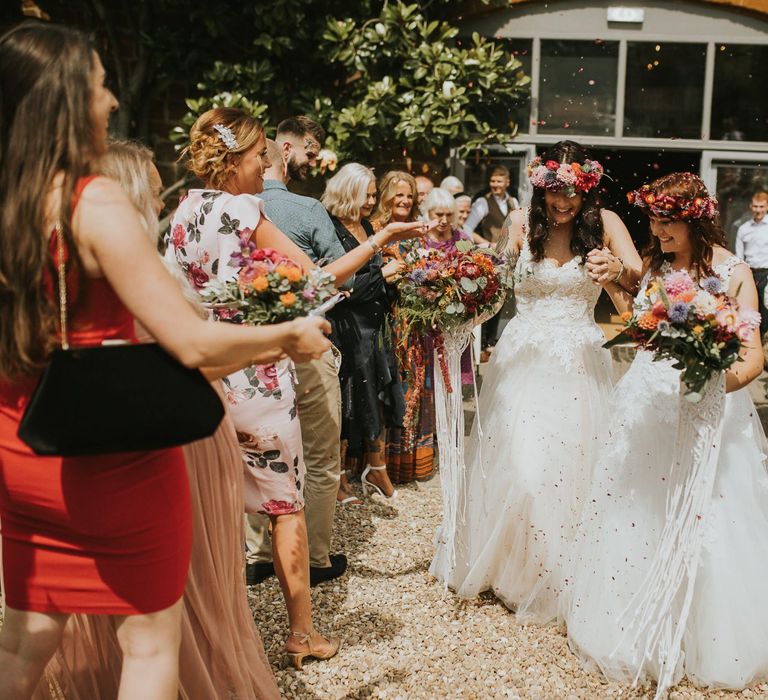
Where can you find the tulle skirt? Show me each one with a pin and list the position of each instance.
(725, 642)
(528, 464)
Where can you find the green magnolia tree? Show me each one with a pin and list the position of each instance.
(388, 80)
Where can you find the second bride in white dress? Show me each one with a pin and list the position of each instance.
(541, 409)
(643, 606)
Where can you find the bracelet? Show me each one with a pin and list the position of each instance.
(621, 270)
(376, 247)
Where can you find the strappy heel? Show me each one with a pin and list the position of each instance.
(367, 485)
(295, 658)
(349, 498)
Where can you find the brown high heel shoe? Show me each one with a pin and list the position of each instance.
(295, 658)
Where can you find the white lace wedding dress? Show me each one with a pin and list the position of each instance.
(541, 410)
(642, 605)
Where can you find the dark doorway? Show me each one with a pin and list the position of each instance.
(628, 169)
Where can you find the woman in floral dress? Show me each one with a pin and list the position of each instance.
(228, 152)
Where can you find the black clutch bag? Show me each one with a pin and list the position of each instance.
(115, 398)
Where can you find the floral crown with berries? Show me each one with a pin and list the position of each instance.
(569, 178)
(674, 206)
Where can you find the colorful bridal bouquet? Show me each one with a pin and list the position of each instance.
(268, 288)
(439, 291)
(698, 326)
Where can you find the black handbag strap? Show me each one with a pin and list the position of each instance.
(58, 232)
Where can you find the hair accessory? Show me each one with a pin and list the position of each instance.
(226, 135)
(569, 178)
(673, 206)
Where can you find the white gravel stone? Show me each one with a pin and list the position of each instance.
(405, 637)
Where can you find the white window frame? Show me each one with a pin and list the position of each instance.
(710, 160)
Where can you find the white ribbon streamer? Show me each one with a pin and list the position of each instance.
(449, 414)
(655, 620)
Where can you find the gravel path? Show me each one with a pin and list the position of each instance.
(405, 637)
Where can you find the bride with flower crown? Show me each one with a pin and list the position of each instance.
(541, 409)
(670, 564)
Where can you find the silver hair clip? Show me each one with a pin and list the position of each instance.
(226, 135)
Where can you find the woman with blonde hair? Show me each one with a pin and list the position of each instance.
(371, 394)
(228, 152)
(221, 650)
(397, 195)
(74, 540)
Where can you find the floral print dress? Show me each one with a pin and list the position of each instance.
(205, 231)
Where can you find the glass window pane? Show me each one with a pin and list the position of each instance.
(736, 183)
(665, 90)
(739, 111)
(522, 50)
(577, 89)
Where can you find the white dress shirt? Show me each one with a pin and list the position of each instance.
(752, 243)
(480, 210)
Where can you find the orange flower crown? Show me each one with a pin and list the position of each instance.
(675, 207)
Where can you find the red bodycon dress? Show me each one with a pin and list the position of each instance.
(104, 534)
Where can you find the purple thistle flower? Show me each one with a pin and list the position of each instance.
(678, 312)
(418, 276)
(713, 285)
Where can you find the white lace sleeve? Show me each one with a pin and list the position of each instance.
(724, 270)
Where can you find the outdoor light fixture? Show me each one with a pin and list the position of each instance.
(631, 15)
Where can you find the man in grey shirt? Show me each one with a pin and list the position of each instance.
(305, 221)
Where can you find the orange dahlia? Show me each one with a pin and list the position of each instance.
(648, 321)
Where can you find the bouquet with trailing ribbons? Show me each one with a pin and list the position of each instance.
(698, 326)
(267, 288)
(440, 291)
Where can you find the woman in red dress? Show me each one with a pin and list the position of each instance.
(103, 534)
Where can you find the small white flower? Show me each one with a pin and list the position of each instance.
(448, 88)
(328, 160)
(705, 303)
(381, 30)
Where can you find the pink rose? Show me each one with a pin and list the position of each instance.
(197, 275)
(178, 236)
(274, 507)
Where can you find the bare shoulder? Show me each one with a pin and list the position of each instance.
(513, 226)
(612, 224)
(102, 190)
(720, 255)
(102, 209)
(610, 217)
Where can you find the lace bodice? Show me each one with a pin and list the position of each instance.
(723, 270)
(555, 305)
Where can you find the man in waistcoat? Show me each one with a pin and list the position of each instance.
(486, 218)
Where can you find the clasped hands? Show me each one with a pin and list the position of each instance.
(603, 267)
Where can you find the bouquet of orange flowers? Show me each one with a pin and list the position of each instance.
(698, 326)
(268, 288)
(439, 291)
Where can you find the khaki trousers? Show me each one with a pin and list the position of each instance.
(318, 396)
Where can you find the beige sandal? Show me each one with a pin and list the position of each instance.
(295, 658)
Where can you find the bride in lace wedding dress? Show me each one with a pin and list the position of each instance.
(541, 408)
(643, 605)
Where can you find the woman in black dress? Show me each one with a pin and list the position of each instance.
(371, 393)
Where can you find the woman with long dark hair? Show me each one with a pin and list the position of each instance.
(104, 534)
(541, 406)
(643, 606)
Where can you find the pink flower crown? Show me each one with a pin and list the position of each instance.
(569, 178)
(671, 206)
